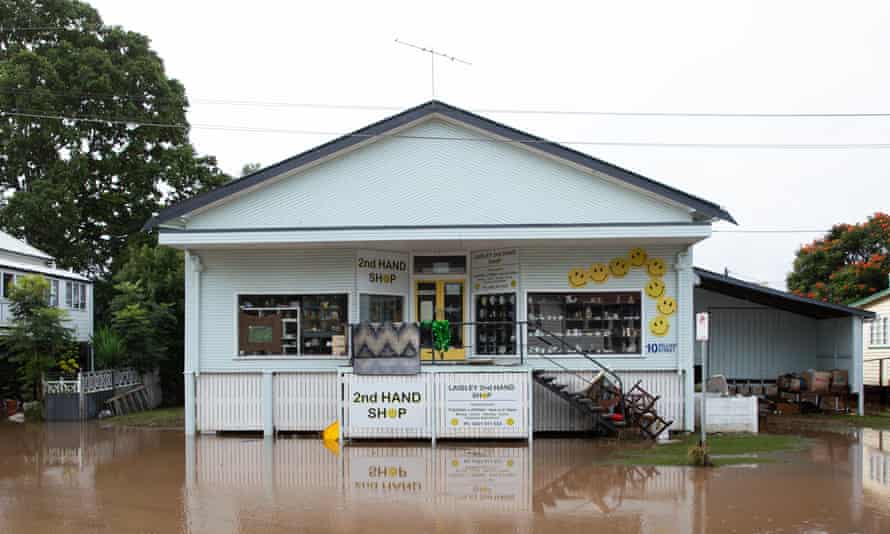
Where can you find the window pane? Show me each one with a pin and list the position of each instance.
(8, 283)
(381, 308)
(69, 289)
(83, 296)
(292, 324)
(440, 264)
(495, 326)
(599, 323)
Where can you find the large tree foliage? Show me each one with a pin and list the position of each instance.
(38, 336)
(144, 326)
(850, 262)
(159, 274)
(81, 189)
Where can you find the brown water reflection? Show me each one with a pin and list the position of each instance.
(85, 478)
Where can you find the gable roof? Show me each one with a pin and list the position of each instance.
(871, 298)
(773, 298)
(17, 246)
(386, 126)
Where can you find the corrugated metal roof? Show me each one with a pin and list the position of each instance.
(767, 296)
(703, 207)
(40, 269)
(7, 242)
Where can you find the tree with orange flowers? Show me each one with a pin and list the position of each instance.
(849, 263)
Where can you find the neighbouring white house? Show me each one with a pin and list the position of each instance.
(547, 262)
(68, 290)
(876, 338)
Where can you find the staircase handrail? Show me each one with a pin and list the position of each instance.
(565, 344)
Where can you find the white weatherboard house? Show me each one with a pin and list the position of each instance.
(68, 290)
(532, 251)
(876, 338)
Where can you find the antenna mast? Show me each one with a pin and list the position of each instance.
(433, 53)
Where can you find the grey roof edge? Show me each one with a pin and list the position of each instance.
(704, 273)
(390, 123)
(870, 299)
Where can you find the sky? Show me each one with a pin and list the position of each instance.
(689, 57)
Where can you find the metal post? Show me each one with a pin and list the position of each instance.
(80, 399)
(704, 390)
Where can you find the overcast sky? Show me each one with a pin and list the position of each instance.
(748, 57)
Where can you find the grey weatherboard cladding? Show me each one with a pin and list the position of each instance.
(704, 207)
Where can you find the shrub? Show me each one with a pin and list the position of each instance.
(108, 348)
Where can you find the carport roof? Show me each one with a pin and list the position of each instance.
(773, 298)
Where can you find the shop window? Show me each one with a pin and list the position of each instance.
(381, 308)
(430, 265)
(495, 324)
(596, 323)
(295, 325)
(879, 331)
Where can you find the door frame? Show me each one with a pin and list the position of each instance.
(467, 352)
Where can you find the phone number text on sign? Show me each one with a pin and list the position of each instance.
(483, 405)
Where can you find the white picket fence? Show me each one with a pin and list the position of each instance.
(93, 381)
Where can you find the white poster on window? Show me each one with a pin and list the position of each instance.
(382, 272)
(495, 270)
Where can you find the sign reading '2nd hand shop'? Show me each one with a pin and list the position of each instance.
(384, 404)
(381, 271)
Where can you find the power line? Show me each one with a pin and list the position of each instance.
(507, 111)
(530, 140)
(771, 231)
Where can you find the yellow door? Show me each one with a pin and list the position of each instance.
(441, 300)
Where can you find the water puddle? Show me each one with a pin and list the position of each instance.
(86, 478)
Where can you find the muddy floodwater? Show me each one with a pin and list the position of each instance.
(85, 478)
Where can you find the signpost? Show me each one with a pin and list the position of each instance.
(702, 325)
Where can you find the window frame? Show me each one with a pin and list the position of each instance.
(346, 292)
(382, 294)
(879, 332)
(644, 322)
(54, 292)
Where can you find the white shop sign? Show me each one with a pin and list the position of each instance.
(495, 270)
(382, 272)
(483, 406)
(385, 404)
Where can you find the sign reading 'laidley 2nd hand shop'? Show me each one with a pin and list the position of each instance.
(381, 271)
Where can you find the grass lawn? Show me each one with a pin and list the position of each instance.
(160, 418)
(725, 449)
(830, 422)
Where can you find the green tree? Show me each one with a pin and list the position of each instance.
(250, 168)
(849, 263)
(38, 336)
(144, 326)
(82, 189)
(159, 272)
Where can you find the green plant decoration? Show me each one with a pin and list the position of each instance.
(441, 334)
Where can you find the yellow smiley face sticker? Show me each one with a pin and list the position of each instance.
(638, 257)
(577, 278)
(510, 421)
(598, 272)
(619, 267)
(655, 287)
(656, 267)
(391, 413)
(659, 325)
(667, 305)
(454, 421)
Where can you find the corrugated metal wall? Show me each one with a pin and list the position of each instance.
(229, 401)
(385, 183)
(553, 414)
(305, 401)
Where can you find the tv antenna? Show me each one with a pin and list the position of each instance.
(433, 53)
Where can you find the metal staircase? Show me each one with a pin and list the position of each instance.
(612, 409)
